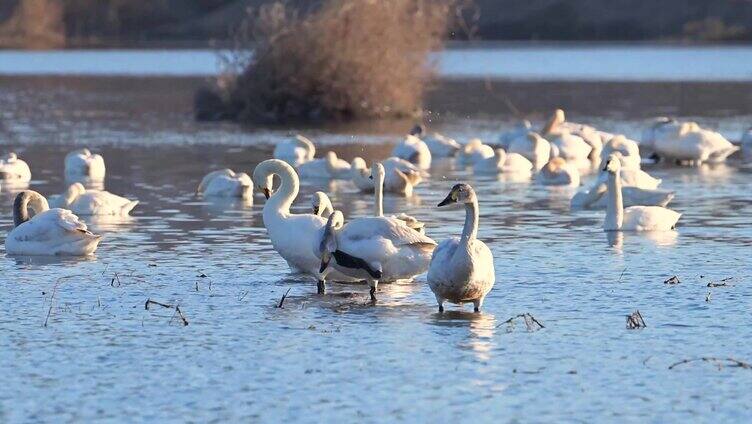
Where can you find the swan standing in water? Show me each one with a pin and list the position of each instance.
(295, 151)
(329, 167)
(635, 218)
(13, 169)
(321, 204)
(461, 269)
(503, 162)
(81, 165)
(226, 183)
(92, 202)
(49, 231)
(294, 236)
(413, 150)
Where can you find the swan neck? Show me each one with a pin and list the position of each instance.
(378, 189)
(470, 230)
(282, 199)
(615, 204)
(28, 200)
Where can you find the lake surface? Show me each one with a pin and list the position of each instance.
(515, 62)
(103, 357)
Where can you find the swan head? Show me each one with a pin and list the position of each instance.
(500, 155)
(555, 164)
(321, 205)
(418, 130)
(25, 200)
(358, 163)
(263, 175)
(460, 193)
(73, 192)
(9, 157)
(328, 244)
(613, 164)
(378, 173)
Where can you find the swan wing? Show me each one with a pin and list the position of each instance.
(649, 218)
(391, 229)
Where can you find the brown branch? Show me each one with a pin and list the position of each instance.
(284, 296)
(154, 302)
(635, 321)
(731, 362)
(182, 317)
(530, 322)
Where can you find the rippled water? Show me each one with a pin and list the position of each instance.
(101, 355)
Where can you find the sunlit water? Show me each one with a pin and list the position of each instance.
(102, 355)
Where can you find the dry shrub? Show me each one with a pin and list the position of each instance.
(346, 60)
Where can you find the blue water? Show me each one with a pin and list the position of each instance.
(515, 62)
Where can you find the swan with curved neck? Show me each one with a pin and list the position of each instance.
(48, 231)
(462, 268)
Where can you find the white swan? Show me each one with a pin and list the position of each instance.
(295, 151)
(439, 145)
(226, 183)
(473, 151)
(401, 176)
(378, 173)
(49, 231)
(571, 147)
(632, 177)
(535, 148)
(92, 202)
(594, 197)
(462, 269)
(374, 249)
(503, 162)
(81, 164)
(328, 167)
(635, 218)
(629, 150)
(321, 204)
(519, 132)
(688, 143)
(557, 126)
(558, 172)
(14, 169)
(294, 236)
(413, 150)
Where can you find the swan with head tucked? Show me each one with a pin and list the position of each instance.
(294, 236)
(634, 218)
(14, 169)
(226, 183)
(49, 231)
(81, 164)
(535, 148)
(321, 204)
(474, 151)
(519, 132)
(295, 151)
(413, 150)
(629, 150)
(688, 143)
(503, 162)
(558, 172)
(92, 202)
(329, 167)
(401, 176)
(462, 269)
(439, 145)
(558, 127)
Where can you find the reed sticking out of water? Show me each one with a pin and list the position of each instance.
(635, 321)
(718, 361)
(284, 296)
(345, 60)
(531, 323)
(672, 280)
(178, 311)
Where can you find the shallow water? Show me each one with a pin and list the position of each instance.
(103, 356)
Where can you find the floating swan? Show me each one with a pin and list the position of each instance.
(473, 151)
(535, 148)
(634, 218)
(519, 132)
(413, 150)
(374, 249)
(81, 165)
(558, 172)
(401, 176)
(328, 167)
(295, 151)
(294, 236)
(321, 204)
(557, 126)
(629, 151)
(14, 169)
(571, 147)
(226, 183)
(632, 177)
(378, 174)
(688, 143)
(654, 129)
(593, 197)
(439, 145)
(462, 269)
(92, 202)
(503, 162)
(49, 231)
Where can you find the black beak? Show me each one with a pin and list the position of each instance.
(447, 200)
(370, 177)
(324, 264)
(266, 192)
(315, 210)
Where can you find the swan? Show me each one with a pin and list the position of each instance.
(226, 183)
(294, 236)
(634, 218)
(557, 126)
(321, 204)
(688, 143)
(519, 132)
(558, 172)
(439, 145)
(14, 169)
(295, 151)
(328, 167)
(629, 149)
(654, 129)
(378, 173)
(473, 151)
(81, 164)
(535, 148)
(92, 202)
(633, 177)
(49, 231)
(502, 161)
(413, 150)
(374, 249)
(462, 269)
(593, 197)
(401, 176)
(571, 147)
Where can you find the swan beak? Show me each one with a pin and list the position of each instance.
(325, 258)
(451, 198)
(315, 210)
(266, 192)
(370, 177)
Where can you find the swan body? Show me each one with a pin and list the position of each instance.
(503, 162)
(558, 172)
(593, 197)
(629, 151)
(226, 183)
(519, 132)
(295, 151)
(321, 204)
(633, 177)
(81, 164)
(474, 151)
(328, 167)
(571, 147)
(533, 147)
(461, 268)
(49, 232)
(634, 218)
(688, 143)
(413, 150)
(92, 202)
(14, 169)
(441, 146)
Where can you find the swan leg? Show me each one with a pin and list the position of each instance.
(373, 284)
(321, 286)
(477, 303)
(440, 301)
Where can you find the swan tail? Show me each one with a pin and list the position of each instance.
(721, 155)
(128, 207)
